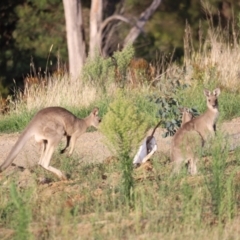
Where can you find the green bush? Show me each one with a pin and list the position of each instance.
(123, 59)
(98, 70)
(15, 121)
(102, 71)
(220, 184)
(22, 215)
(124, 126)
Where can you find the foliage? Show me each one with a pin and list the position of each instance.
(102, 71)
(123, 59)
(229, 107)
(28, 30)
(142, 100)
(98, 71)
(218, 182)
(124, 126)
(39, 27)
(15, 122)
(22, 215)
(168, 110)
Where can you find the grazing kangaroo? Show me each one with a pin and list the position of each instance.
(193, 134)
(151, 142)
(147, 149)
(48, 127)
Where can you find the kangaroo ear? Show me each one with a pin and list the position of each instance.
(95, 111)
(181, 109)
(217, 92)
(206, 92)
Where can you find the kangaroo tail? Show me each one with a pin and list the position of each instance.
(151, 136)
(16, 149)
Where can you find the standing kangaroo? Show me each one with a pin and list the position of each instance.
(48, 127)
(193, 134)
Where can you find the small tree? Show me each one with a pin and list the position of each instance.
(124, 126)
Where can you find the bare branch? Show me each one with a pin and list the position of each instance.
(108, 41)
(111, 18)
(104, 25)
(136, 30)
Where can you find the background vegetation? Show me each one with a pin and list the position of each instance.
(29, 29)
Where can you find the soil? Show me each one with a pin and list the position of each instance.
(91, 145)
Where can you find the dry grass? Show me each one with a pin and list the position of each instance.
(215, 61)
(59, 92)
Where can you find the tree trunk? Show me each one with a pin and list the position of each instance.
(95, 22)
(75, 36)
(144, 17)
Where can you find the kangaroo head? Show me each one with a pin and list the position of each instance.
(186, 115)
(212, 98)
(95, 119)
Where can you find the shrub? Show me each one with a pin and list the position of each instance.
(102, 71)
(98, 70)
(122, 60)
(168, 110)
(124, 127)
(22, 215)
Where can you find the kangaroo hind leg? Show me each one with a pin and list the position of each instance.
(43, 146)
(192, 166)
(67, 145)
(45, 163)
(53, 139)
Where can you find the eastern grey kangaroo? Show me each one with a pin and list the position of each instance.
(48, 127)
(189, 139)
